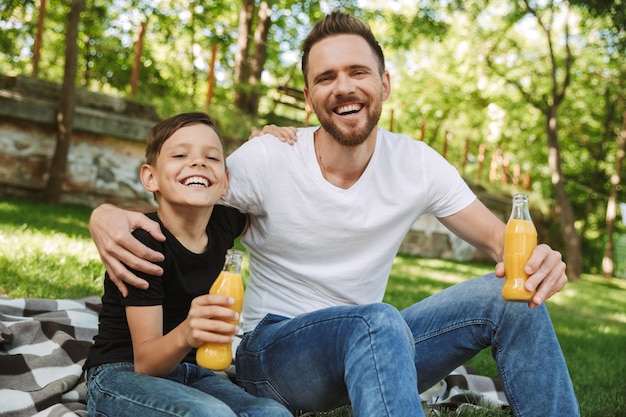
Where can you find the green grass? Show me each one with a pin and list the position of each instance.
(47, 252)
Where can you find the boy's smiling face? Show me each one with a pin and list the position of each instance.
(190, 168)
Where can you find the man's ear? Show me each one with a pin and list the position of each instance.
(148, 178)
(308, 107)
(386, 85)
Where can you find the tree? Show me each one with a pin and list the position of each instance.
(136, 68)
(65, 113)
(558, 76)
(38, 37)
(249, 64)
(608, 264)
(608, 27)
(242, 66)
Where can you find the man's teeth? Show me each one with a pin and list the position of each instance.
(196, 182)
(351, 108)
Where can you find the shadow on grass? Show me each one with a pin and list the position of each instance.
(22, 214)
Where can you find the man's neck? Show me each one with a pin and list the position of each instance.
(342, 165)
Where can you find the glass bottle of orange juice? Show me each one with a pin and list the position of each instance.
(219, 356)
(520, 239)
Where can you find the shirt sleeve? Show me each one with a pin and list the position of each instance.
(154, 294)
(449, 193)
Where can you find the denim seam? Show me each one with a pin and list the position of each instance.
(457, 326)
(374, 358)
(300, 329)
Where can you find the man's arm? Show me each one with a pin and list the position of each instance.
(480, 227)
(111, 230)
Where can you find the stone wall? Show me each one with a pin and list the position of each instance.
(105, 154)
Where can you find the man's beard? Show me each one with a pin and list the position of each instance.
(353, 136)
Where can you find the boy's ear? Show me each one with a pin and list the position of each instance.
(148, 178)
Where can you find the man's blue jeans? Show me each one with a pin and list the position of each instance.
(364, 355)
(115, 390)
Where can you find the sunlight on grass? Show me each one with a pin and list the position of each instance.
(47, 254)
(413, 279)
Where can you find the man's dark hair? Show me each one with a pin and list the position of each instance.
(340, 23)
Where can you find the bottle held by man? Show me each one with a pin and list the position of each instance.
(520, 239)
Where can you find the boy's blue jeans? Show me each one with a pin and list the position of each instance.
(115, 390)
(373, 356)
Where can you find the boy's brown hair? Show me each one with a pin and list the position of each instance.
(166, 128)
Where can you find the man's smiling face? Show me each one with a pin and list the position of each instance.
(345, 87)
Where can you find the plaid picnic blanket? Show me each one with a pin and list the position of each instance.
(44, 343)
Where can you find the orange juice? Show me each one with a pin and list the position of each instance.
(520, 239)
(219, 356)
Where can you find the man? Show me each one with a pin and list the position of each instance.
(327, 216)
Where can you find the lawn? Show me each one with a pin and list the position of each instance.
(47, 252)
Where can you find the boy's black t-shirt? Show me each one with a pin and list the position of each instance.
(186, 275)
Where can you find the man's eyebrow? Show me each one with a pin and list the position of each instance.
(349, 67)
(324, 73)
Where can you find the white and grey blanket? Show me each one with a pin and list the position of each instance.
(44, 343)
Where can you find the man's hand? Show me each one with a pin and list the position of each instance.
(111, 230)
(546, 274)
(285, 134)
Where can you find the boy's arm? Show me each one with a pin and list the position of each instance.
(157, 354)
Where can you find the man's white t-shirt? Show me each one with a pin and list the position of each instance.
(312, 245)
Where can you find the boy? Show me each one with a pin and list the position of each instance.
(143, 360)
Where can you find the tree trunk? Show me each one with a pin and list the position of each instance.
(608, 265)
(65, 113)
(38, 37)
(564, 210)
(259, 57)
(134, 76)
(211, 78)
(549, 107)
(242, 69)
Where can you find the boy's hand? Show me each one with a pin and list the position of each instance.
(210, 320)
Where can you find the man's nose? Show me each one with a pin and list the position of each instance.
(344, 85)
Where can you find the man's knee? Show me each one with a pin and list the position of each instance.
(386, 319)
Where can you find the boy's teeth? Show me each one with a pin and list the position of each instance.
(196, 181)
